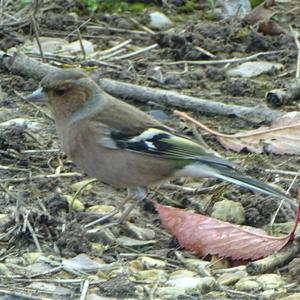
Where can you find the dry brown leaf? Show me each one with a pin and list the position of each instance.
(260, 13)
(282, 137)
(270, 27)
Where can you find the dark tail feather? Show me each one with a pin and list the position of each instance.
(253, 184)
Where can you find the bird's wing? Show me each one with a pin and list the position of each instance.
(160, 142)
(124, 119)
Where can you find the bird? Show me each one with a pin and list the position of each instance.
(125, 147)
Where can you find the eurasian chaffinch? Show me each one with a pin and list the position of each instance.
(125, 147)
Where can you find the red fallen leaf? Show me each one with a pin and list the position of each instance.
(205, 235)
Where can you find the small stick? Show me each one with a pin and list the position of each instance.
(273, 261)
(135, 53)
(85, 287)
(233, 136)
(37, 177)
(223, 61)
(36, 34)
(119, 30)
(81, 44)
(35, 239)
(296, 38)
(205, 52)
(142, 26)
(74, 31)
(115, 48)
(283, 172)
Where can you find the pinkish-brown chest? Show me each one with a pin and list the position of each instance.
(119, 167)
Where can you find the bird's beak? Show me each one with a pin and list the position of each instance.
(37, 96)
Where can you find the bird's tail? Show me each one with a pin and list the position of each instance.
(229, 174)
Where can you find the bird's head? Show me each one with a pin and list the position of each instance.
(66, 91)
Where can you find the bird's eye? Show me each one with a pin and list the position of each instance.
(59, 92)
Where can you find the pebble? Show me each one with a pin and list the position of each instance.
(247, 285)
(230, 8)
(229, 211)
(159, 21)
(253, 68)
(270, 281)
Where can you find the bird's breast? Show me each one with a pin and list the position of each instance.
(119, 167)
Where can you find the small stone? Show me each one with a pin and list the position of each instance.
(23, 123)
(252, 69)
(153, 275)
(4, 219)
(75, 47)
(247, 284)
(86, 184)
(191, 281)
(232, 8)
(229, 211)
(98, 247)
(5, 113)
(170, 292)
(4, 270)
(129, 242)
(38, 268)
(159, 21)
(31, 257)
(206, 285)
(139, 232)
(231, 278)
(270, 281)
(101, 209)
(151, 263)
(74, 204)
(196, 264)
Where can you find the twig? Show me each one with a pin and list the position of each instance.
(240, 294)
(22, 295)
(135, 53)
(232, 136)
(80, 190)
(35, 239)
(81, 44)
(78, 28)
(119, 30)
(85, 287)
(22, 64)
(186, 189)
(36, 34)
(273, 261)
(281, 203)
(142, 26)
(51, 271)
(283, 172)
(115, 48)
(296, 38)
(112, 54)
(37, 177)
(13, 169)
(123, 90)
(205, 52)
(40, 151)
(222, 61)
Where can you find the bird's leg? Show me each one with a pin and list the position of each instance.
(138, 194)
